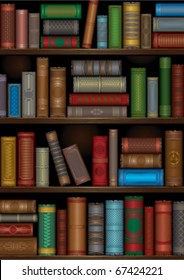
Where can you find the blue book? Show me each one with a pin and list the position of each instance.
(152, 97)
(140, 177)
(169, 9)
(14, 109)
(101, 32)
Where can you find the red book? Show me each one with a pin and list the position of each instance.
(100, 161)
(7, 26)
(11, 229)
(60, 42)
(168, 40)
(177, 90)
(26, 159)
(61, 232)
(149, 230)
(21, 29)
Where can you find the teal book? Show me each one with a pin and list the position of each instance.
(115, 26)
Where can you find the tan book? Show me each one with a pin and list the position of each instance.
(145, 31)
(42, 86)
(140, 160)
(113, 157)
(18, 246)
(10, 206)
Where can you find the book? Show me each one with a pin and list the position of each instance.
(146, 31)
(178, 228)
(34, 30)
(7, 26)
(28, 94)
(21, 29)
(168, 24)
(42, 167)
(148, 231)
(140, 160)
(167, 40)
(113, 157)
(12, 246)
(102, 39)
(18, 218)
(14, 97)
(169, 9)
(3, 95)
(59, 42)
(141, 145)
(60, 26)
(42, 78)
(61, 11)
(96, 111)
(152, 97)
(61, 231)
(115, 26)
(16, 229)
(90, 23)
(22, 206)
(177, 91)
(165, 87)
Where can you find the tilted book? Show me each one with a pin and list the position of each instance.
(168, 40)
(168, 24)
(61, 230)
(14, 98)
(146, 31)
(148, 230)
(165, 86)
(169, 9)
(140, 160)
(61, 11)
(59, 42)
(60, 26)
(113, 157)
(143, 145)
(96, 111)
(34, 30)
(17, 206)
(7, 26)
(42, 167)
(177, 93)
(152, 97)
(42, 79)
(21, 29)
(115, 26)
(178, 228)
(16, 229)
(28, 94)
(102, 28)
(18, 246)
(3, 95)
(18, 218)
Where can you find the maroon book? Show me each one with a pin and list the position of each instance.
(61, 232)
(16, 229)
(21, 29)
(168, 40)
(148, 230)
(177, 90)
(7, 26)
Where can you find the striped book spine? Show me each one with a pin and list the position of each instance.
(148, 230)
(42, 167)
(168, 40)
(168, 24)
(59, 42)
(169, 9)
(3, 95)
(58, 27)
(14, 97)
(113, 157)
(28, 95)
(152, 97)
(177, 90)
(146, 31)
(61, 231)
(61, 11)
(178, 228)
(102, 31)
(34, 30)
(165, 87)
(115, 26)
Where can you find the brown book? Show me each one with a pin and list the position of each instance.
(61, 231)
(77, 227)
(149, 230)
(42, 86)
(7, 26)
(21, 29)
(76, 164)
(58, 91)
(140, 160)
(113, 157)
(10, 246)
(174, 158)
(177, 90)
(141, 145)
(167, 40)
(17, 206)
(34, 30)
(146, 31)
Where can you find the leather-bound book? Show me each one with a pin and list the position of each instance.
(61, 41)
(17, 206)
(42, 167)
(7, 26)
(8, 161)
(97, 111)
(134, 208)
(26, 159)
(169, 9)
(140, 160)
(61, 11)
(18, 218)
(178, 228)
(3, 95)
(90, 23)
(77, 227)
(76, 164)
(165, 87)
(113, 157)
(177, 90)
(115, 26)
(57, 91)
(58, 27)
(102, 37)
(12, 246)
(146, 31)
(14, 100)
(152, 97)
(28, 95)
(167, 40)
(168, 24)
(100, 159)
(42, 78)
(21, 29)
(141, 145)
(174, 158)
(148, 230)
(16, 229)
(34, 30)
(163, 227)
(61, 230)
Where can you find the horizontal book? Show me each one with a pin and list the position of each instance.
(168, 24)
(59, 42)
(97, 111)
(141, 161)
(141, 145)
(167, 40)
(58, 27)
(18, 246)
(61, 11)
(18, 218)
(16, 229)
(17, 206)
(169, 9)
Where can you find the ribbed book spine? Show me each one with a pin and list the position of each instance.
(165, 87)
(152, 97)
(59, 42)
(58, 158)
(146, 31)
(3, 95)
(131, 25)
(140, 160)
(138, 92)
(18, 218)
(178, 228)
(169, 9)
(28, 95)
(113, 157)
(114, 26)
(61, 231)
(58, 27)
(61, 11)
(96, 111)
(21, 29)
(141, 145)
(14, 97)
(102, 31)
(167, 40)
(12, 246)
(77, 226)
(168, 24)
(46, 229)
(177, 90)
(7, 26)
(34, 30)
(8, 161)
(16, 229)
(134, 208)
(114, 227)
(148, 230)
(95, 228)
(42, 167)
(17, 206)
(42, 77)
(26, 159)
(163, 227)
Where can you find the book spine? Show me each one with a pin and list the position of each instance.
(14, 97)
(42, 77)
(177, 90)
(18, 218)
(26, 159)
(15, 229)
(165, 87)
(169, 9)
(21, 29)
(114, 227)
(168, 40)
(140, 177)
(57, 91)
(7, 26)
(113, 157)
(17, 206)
(138, 92)
(77, 227)
(146, 31)
(34, 30)
(58, 158)
(148, 230)
(141, 161)
(11, 246)
(95, 228)
(42, 167)
(131, 25)
(46, 229)
(61, 231)
(174, 158)
(163, 227)
(8, 161)
(152, 97)
(168, 24)
(60, 42)
(115, 26)
(3, 95)
(61, 11)
(100, 161)
(90, 23)
(134, 208)
(102, 32)
(99, 111)
(28, 95)
(141, 145)
(178, 228)
(58, 27)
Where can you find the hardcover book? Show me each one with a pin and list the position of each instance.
(102, 39)
(42, 167)
(18, 246)
(3, 95)
(168, 24)
(177, 90)
(169, 9)
(18, 218)
(17, 206)
(60, 42)
(28, 95)
(14, 97)
(146, 31)
(113, 157)
(96, 111)
(140, 160)
(42, 77)
(167, 40)
(61, 11)
(34, 30)
(7, 25)
(178, 228)
(21, 29)
(115, 26)
(152, 97)
(58, 27)
(148, 230)
(141, 145)
(165, 87)
(16, 229)
(61, 230)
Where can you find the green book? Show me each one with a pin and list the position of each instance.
(138, 93)
(115, 26)
(61, 11)
(165, 87)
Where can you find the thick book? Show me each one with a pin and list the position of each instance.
(90, 23)
(55, 42)
(34, 30)
(102, 28)
(168, 24)
(21, 29)
(169, 9)
(61, 11)
(146, 31)
(165, 87)
(174, 158)
(141, 145)
(60, 26)
(96, 111)
(140, 177)
(115, 26)
(42, 167)
(18, 218)
(140, 160)
(148, 230)
(8, 161)
(178, 228)
(42, 79)
(177, 93)
(16, 229)
(14, 100)
(3, 95)
(12, 246)
(61, 231)
(9, 206)
(28, 94)
(113, 157)
(152, 97)
(168, 40)
(7, 26)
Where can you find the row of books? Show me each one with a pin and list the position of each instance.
(112, 227)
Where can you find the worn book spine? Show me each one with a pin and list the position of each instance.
(148, 230)
(61, 231)
(98, 111)
(18, 246)
(57, 91)
(102, 28)
(140, 160)
(174, 158)
(7, 26)
(61, 11)
(60, 42)
(178, 228)
(177, 90)
(169, 9)
(18, 218)
(113, 157)
(42, 167)
(17, 206)
(115, 26)
(114, 227)
(34, 30)
(21, 29)
(8, 161)
(42, 77)
(26, 159)
(163, 227)
(16, 229)
(3, 95)
(165, 86)
(168, 24)
(58, 158)
(14, 98)
(168, 40)
(28, 94)
(58, 27)
(77, 226)
(146, 31)
(152, 97)
(141, 145)
(90, 23)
